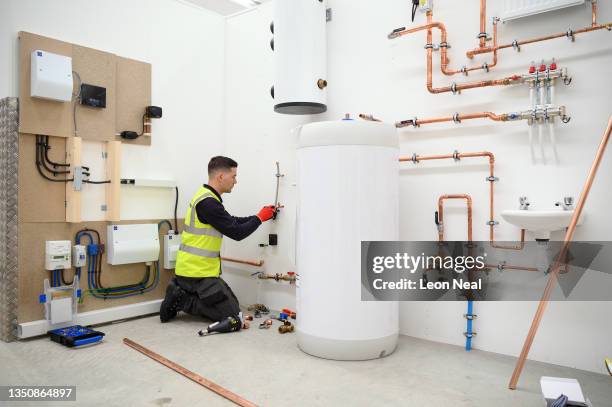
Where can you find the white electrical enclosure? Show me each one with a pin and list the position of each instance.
(513, 9)
(299, 46)
(51, 76)
(128, 244)
(79, 255)
(171, 247)
(347, 192)
(57, 254)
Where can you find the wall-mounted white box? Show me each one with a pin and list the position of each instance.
(57, 254)
(128, 244)
(171, 247)
(51, 76)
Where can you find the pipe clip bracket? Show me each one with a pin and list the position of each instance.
(516, 46)
(469, 334)
(454, 88)
(429, 46)
(456, 119)
(464, 70)
(470, 316)
(492, 179)
(566, 119)
(415, 158)
(501, 266)
(485, 66)
(444, 45)
(456, 155)
(567, 80)
(492, 223)
(483, 35)
(570, 35)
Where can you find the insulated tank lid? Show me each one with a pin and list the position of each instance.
(347, 132)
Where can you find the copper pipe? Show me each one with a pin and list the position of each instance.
(510, 267)
(594, 13)
(557, 265)
(441, 213)
(519, 246)
(369, 117)
(468, 116)
(478, 51)
(483, 17)
(491, 184)
(257, 263)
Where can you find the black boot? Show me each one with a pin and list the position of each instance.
(172, 303)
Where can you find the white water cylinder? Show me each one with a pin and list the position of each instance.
(299, 46)
(348, 183)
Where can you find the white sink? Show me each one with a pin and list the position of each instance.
(540, 222)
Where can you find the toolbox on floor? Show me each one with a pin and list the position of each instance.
(75, 335)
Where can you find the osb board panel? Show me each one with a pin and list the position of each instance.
(96, 68)
(39, 116)
(32, 237)
(40, 200)
(133, 93)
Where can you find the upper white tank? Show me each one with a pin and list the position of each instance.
(299, 45)
(348, 185)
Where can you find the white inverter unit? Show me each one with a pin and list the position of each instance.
(513, 9)
(51, 76)
(348, 191)
(138, 243)
(299, 47)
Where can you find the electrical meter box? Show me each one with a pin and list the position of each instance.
(128, 244)
(171, 247)
(51, 76)
(57, 254)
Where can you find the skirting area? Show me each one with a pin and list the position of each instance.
(268, 369)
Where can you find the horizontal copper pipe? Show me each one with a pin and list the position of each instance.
(460, 117)
(510, 267)
(257, 263)
(552, 279)
(478, 51)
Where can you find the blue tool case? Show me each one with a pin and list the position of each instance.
(76, 335)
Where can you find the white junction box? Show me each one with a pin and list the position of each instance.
(51, 76)
(128, 244)
(79, 255)
(171, 247)
(57, 254)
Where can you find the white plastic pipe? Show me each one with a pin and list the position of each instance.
(553, 141)
(530, 130)
(541, 141)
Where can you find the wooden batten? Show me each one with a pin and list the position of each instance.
(113, 173)
(73, 198)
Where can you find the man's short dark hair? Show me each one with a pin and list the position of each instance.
(221, 163)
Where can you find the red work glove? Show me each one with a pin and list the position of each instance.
(266, 213)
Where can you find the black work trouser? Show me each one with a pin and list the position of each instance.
(208, 297)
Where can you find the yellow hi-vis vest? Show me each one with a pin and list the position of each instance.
(200, 249)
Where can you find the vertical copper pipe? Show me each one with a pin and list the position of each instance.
(441, 213)
(594, 13)
(555, 269)
(483, 25)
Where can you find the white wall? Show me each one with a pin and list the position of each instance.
(370, 74)
(184, 44)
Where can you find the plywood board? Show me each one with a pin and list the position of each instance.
(40, 200)
(39, 116)
(96, 68)
(32, 237)
(133, 94)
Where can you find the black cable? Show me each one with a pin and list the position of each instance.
(165, 221)
(64, 280)
(96, 182)
(415, 5)
(175, 209)
(47, 148)
(40, 151)
(42, 174)
(143, 124)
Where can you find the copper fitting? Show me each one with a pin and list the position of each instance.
(368, 117)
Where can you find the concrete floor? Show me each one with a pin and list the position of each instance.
(268, 369)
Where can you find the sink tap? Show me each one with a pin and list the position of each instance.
(567, 204)
(524, 203)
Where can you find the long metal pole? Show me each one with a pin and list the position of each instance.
(233, 397)
(558, 262)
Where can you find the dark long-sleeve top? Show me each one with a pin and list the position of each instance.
(212, 212)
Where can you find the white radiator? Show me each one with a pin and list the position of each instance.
(513, 9)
